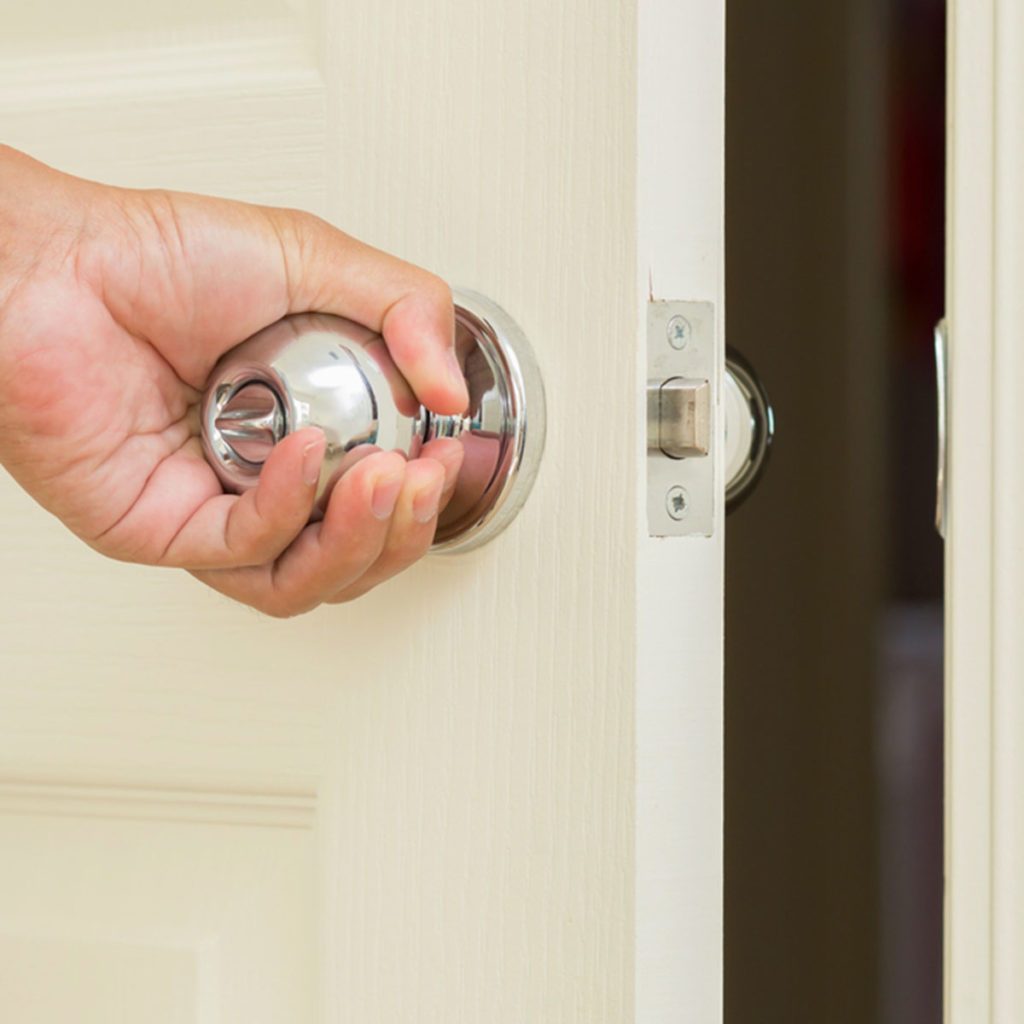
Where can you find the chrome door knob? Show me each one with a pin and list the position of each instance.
(323, 371)
(749, 429)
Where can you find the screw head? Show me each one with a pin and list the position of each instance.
(678, 330)
(677, 503)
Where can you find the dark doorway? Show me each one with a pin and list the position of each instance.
(835, 154)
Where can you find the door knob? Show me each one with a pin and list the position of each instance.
(749, 429)
(318, 370)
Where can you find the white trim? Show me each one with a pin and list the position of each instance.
(968, 537)
(679, 711)
(985, 545)
(1008, 532)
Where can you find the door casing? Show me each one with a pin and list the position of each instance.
(985, 536)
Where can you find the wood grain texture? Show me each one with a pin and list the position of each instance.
(969, 542)
(1008, 531)
(985, 542)
(242, 118)
(79, 798)
(483, 785)
(985, 560)
(110, 981)
(218, 921)
(679, 582)
(124, 27)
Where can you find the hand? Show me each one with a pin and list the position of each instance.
(114, 307)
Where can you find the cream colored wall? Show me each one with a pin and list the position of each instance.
(464, 736)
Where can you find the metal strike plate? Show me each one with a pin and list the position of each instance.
(681, 403)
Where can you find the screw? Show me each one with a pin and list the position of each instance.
(677, 503)
(678, 330)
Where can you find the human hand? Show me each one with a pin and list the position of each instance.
(114, 306)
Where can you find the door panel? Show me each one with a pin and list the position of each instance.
(984, 542)
(421, 806)
(143, 912)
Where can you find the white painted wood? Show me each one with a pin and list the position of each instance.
(151, 918)
(490, 791)
(969, 524)
(1008, 531)
(985, 547)
(679, 736)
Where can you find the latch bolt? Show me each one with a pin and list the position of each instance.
(679, 417)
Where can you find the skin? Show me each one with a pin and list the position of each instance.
(114, 306)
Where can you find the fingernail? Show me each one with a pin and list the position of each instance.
(385, 494)
(455, 374)
(312, 457)
(424, 505)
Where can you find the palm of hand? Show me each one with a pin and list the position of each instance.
(106, 338)
(117, 340)
(98, 411)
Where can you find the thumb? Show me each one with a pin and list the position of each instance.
(222, 270)
(332, 272)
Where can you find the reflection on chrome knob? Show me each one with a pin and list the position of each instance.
(251, 421)
(318, 370)
(749, 429)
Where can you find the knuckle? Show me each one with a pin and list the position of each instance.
(408, 552)
(253, 551)
(436, 289)
(284, 601)
(310, 232)
(270, 536)
(296, 221)
(301, 236)
(276, 540)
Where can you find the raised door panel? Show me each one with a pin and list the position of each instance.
(123, 906)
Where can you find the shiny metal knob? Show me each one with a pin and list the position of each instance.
(749, 429)
(313, 369)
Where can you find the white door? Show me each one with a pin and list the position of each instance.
(491, 790)
(985, 535)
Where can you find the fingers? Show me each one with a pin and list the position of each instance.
(329, 554)
(331, 271)
(253, 529)
(380, 519)
(196, 275)
(449, 453)
(412, 529)
(334, 273)
(420, 333)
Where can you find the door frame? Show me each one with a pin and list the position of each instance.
(680, 625)
(985, 539)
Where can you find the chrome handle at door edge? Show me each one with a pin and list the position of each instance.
(942, 407)
(749, 428)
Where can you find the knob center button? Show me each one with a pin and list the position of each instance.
(251, 422)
